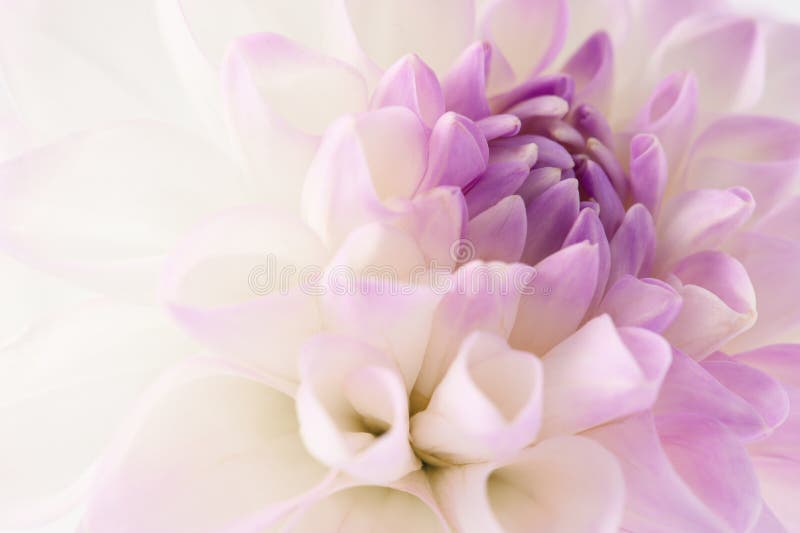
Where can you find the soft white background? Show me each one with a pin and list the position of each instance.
(787, 9)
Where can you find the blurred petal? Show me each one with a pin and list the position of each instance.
(251, 456)
(529, 33)
(725, 53)
(601, 373)
(536, 490)
(436, 31)
(556, 299)
(102, 208)
(271, 85)
(782, 72)
(71, 380)
(234, 284)
(487, 407)
(718, 303)
(759, 153)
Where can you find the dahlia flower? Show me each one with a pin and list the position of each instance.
(399, 265)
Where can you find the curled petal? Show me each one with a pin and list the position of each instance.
(498, 126)
(529, 33)
(487, 407)
(498, 233)
(648, 171)
(646, 303)
(556, 299)
(595, 184)
(718, 303)
(601, 373)
(587, 227)
(670, 114)
(534, 491)
(592, 68)
(436, 31)
(250, 445)
(727, 55)
(410, 83)
(352, 407)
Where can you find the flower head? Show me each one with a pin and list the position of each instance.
(520, 266)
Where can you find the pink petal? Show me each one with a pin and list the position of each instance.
(362, 161)
(648, 171)
(529, 33)
(592, 68)
(481, 296)
(436, 31)
(690, 387)
(410, 83)
(458, 152)
(498, 126)
(500, 180)
(557, 298)
(633, 245)
(550, 217)
(536, 490)
(465, 84)
(587, 227)
(782, 72)
(646, 303)
(599, 374)
(487, 407)
(700, 219)
(781, 361)
(595, 184)
(696, 477)
(498, 233)
(670, 114)
(718, 303)
(352, 408)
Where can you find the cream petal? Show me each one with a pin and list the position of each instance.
(251, 458)
(536, 490)
(236, 284)
(122, 196)
(486, 408)
(71, 379)
(528, 33)
(352, 406)
(436, 31)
